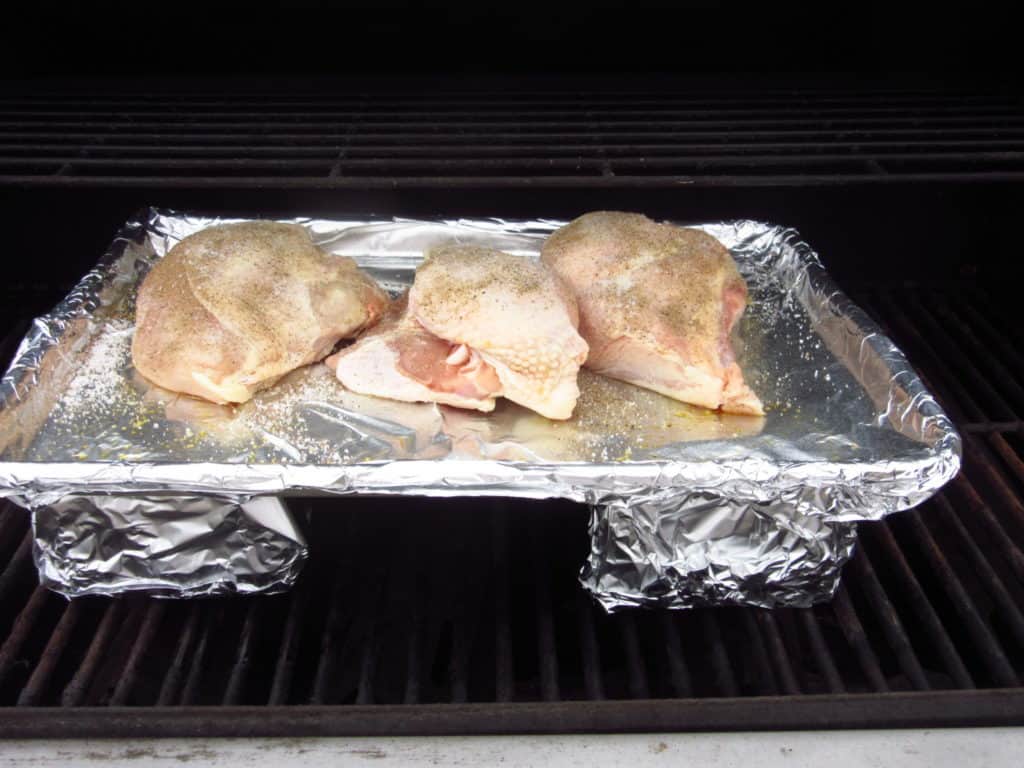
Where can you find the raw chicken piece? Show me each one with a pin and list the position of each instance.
(511, 311)
(401, 360)
(657, 306)
(231, 309)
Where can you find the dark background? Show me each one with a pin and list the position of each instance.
(879, 42)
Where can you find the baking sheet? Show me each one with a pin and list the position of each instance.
(850, 432)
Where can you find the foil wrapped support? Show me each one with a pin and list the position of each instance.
(169, 546)
(704, 549)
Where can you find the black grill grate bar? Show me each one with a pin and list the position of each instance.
(411, 694)
(679, 673)
(922, 607)
(171, 685)
(75, 691)
(546, 655)
(889, 620)
(235, 690)
(977, 356)
(625, 164)
(195, 682)
(982, 514)
(976, 334)
(508, 182)
(777, 652)
(996, 404)
(981, 634)
(512, 99)
(364, 633)
(38, 683)
(12, 532)
(143, 642)
(471, 606)
(1011, 461)
(635, 669)
(584, 123)
(503, 111)
(984, 305)
(985, 427)
(226, 146)
(15, 568)
(819, 650)
(724, 677)
(504, 670)
(1009, 612)
(757, 654)
(855, 635)
(590, 651)
(344, 133)
(368, 668)
(284, 669)
(23, 625)
(1010, 458)
(1010, 504)
(328, 643)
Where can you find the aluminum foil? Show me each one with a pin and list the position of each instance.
(850, 433)
(168, 546)
(705, 549)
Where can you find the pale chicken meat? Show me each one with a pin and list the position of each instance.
(232, 308)
(401, 360)
(512, 312)
(657, 305)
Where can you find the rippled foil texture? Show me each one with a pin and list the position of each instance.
(690, 506)
(169, 546)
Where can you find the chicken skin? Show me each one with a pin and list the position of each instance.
(512, 312)
(401, 360)
(231, 309)
(657, 306)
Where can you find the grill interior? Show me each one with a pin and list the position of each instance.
(631, 138)
(408, 603)
(427, 616)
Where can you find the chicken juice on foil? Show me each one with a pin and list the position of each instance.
(689, 506)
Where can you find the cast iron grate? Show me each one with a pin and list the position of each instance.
(475, 621)
(512, 139)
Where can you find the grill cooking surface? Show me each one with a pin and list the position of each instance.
(476, 623)
(479, 624)
(508, 139)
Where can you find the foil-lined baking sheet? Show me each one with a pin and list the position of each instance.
(168, 546)
(850, 432)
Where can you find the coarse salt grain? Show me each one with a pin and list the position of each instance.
(99, 383)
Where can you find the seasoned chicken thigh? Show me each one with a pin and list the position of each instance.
(231, 309)
(657, 306)
(401, 360)
(511, 311)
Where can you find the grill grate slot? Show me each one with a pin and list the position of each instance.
(470, 139)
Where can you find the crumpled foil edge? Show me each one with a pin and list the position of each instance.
(166, 546)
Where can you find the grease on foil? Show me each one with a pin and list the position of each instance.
(690, 506)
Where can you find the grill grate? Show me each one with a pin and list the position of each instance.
(481, 612)
(519, 139)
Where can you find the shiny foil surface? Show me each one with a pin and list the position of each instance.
(690, 505)
(169, 546)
